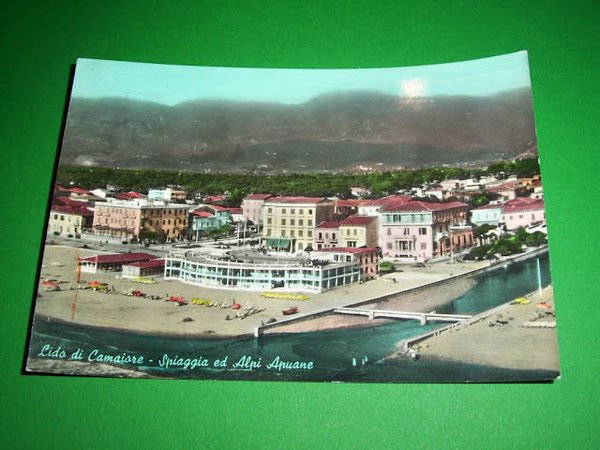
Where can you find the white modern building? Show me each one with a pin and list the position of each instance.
(300, 276)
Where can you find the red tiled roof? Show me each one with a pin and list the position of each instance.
(347, 250)
(68, 201)
(148, 264)
(351, 202)
(128, 195)
(78, 190)
(358, 220)
(233, 210)
(508, 186)
(119, 258)
(298, 199)
(328, 224)
(74, 210)
(203, 214)
(214, 198)
(257, 196)
(389, 200)
(523, 204)
(417, 205)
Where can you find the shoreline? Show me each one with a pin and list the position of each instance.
(416, 289)
(153, 333)
(501, 337)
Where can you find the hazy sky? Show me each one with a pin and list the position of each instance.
(170, 84)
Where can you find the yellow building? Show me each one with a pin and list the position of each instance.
(69, 220)
(289, 222)
(359, 231)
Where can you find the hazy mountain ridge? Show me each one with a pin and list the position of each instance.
(332, 131)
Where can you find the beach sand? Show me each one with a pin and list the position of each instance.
(510, 345)
(136, 314)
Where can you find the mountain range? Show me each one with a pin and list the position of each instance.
(336, 131)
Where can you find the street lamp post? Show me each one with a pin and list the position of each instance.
(451, 245)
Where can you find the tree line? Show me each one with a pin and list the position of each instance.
(311, 184)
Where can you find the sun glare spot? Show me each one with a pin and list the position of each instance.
(412, 88)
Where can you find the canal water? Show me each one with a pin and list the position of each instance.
(332, 355)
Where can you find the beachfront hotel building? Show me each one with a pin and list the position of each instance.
(299, 275)
(523, 212)
(359, 231)
(289, 222)
(252, 208)
(418, 230)
(138, 218)
(70, 219)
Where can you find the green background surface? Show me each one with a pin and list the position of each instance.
(39, 41)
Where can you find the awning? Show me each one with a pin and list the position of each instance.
(279, 243)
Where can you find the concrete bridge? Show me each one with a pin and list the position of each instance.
(423, 318)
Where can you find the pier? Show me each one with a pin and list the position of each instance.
(423, 318)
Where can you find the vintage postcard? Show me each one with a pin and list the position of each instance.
(364, 225)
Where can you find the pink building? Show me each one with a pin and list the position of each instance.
(327, 234)
(522, 212)
(366, 258)
(419, 230)
(140, 219)
(252, 208)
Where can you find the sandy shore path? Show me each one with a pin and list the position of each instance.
(518, 339)
(159, 317)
